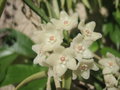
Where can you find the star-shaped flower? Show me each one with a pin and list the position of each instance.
(109, 64)
(41, 55)
(110, 80)
(61, 60)
(49, 37)
(80, 46)
(66, 22)
(84, 68)
(87, 30)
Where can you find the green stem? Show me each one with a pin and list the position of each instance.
(32, 77)
(62, 4)
(56, 8)
(66, 82)
(37, 10)
(69, 5)
(100, 3)
(48, 8)
(2, 4)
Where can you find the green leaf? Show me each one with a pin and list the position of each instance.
(97, 86)
(86, 3)
(104, 50)
(117, 16)
(69, 4)
(37, 10)
(5, 61)
(4, 52)
(94, 47)
(50, 10)
(35, 85)
(2, 5)
(107, 28)
(22, 44)
(115, 36)
(56, 7)
(17, 73)
(62, 3)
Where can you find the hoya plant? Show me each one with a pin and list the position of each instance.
(65, 52)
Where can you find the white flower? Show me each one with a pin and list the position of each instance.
(49, 38)
(41, 55)
(61, 60)
(112, 88)
(65, 22)
(84, 68)
(81, 47)
(87, 30)
(109, 64)
(110, 80)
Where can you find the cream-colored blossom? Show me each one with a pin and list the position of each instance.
(109, 64)
(65, 22)
(88, 30)
(49, 37)
(80, 46)
(41, 55)
(110, 80)
(61, 60)
(113, 88)
(84, 68)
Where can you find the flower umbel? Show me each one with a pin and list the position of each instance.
(58, 58)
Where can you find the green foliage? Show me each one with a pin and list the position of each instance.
(94, 47)
(104, 50)
(112, 31)
(39, 11)
(35, 85)
(5, 60)
(117, 16)
(17, 73)
(107, 28)
(2, 4)
(115, 36)
(21, 44)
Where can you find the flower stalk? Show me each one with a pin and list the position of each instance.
(32, 77)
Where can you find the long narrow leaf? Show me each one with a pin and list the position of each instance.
(2, 4)
(37, 10)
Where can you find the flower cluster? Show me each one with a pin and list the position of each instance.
(77, 57)
(111, 73)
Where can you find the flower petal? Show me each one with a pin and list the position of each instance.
(53, 59)
(95, 36)
(87, 54)
(71, 64)
(37, 48)
(63, 14)
(95, 68)
(59, 69)
(90, 26)
(40, 60)
(81, 25)
(85, 74)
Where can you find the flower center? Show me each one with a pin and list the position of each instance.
(52, 38)
(62, 58)
(88, 32)
(79, 48)
(110, 63)
(84, 67)
(66, 22)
